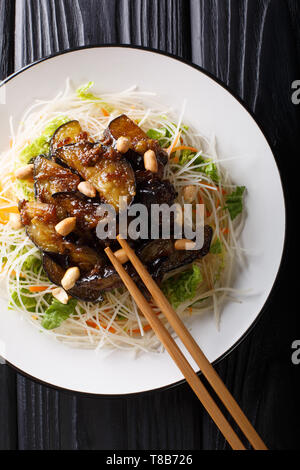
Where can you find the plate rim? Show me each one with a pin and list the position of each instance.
(284, 248)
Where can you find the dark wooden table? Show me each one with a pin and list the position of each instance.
(254, 47)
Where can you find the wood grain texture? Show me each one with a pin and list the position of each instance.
(7, 11)
(253, 46)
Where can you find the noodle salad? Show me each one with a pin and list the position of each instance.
(115, 322)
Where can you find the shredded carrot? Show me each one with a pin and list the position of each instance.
(185, 147)
(37, 288)
(225, 230)
(145, 328)
(190, 309)
(175, 160)
(13, 273)
(10, 143)
(34, 317)
(104, 112)
(94, 325)
(173, 145)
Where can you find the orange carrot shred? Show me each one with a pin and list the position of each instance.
(185, 147)
(104, 112)
(37, 288)
(145, 328)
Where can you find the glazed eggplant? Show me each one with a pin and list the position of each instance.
(153, 190)
(75, 204)
(89, 287)
(74, 157)
(111, 175)
(81, 291)
(122, 126)
(40, 221)
(51, 178)
(69, 133)
(161, 257)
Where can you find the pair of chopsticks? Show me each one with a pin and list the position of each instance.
(192, 347)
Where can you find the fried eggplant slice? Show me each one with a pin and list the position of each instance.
(112, 175)
(161, 257)
(91, 286)
(40, 220)
(122, 126)
(153, 190)
(69, 133)
(77, 205)
(51, 178)
(81, 290)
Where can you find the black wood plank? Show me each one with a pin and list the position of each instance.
(8, 403)
(44, 27)
(7, 20)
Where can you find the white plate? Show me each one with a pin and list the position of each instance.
(211, 108)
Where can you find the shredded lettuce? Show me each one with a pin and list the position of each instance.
(234, 202)
(163, 135)
(57, 313)
(41, 145)
(83, 92)
(29, 302)
(27, 189)
(216, 247)
(183, 286)
(209, 168)
(33, 264)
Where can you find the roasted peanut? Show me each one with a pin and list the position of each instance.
(25, 172)
(60, 294)
(87, 189)
(70, 278)
(121, 256)
(15, 221)
(184, 244)
(189, 193)
(66, 226)
(150, 161)
(123, 144)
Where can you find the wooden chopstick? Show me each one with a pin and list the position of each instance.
(195, 351)
(178, 357)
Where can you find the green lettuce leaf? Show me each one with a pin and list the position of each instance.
(57, 313)
(183, 286)
(29, 302)
(32, 264)
(42, 143)
(83, 92)
(234, 202)
(216, 247)
(163, 135)
(209, 168)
